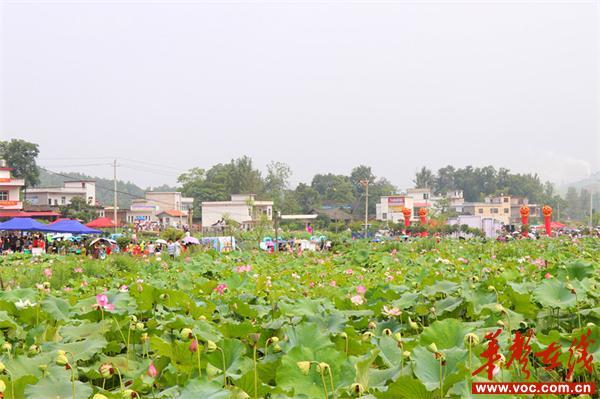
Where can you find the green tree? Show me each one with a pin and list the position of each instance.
(424, 178)
(21, 155)
(306, 197)
(78, 208)
(277, 181)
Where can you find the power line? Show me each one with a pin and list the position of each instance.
(153, 164)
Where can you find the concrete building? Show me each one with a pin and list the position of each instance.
(389, 208)
(10, 189)
(243, 209)
(535, 210)
(57, 196)
(498, 208)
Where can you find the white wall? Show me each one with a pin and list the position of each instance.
(213, 213)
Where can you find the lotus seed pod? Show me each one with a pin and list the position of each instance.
(367, 335)
(202, 317)
(322, 367)
(357, 388)
(254, 337)
(7, 346)
(133, 319)
(304, 367)
(432, 347)
(500, 323)
(185, 334)
(412, 324)
(372, 325)
(144, 337)
(491, 288)
(34, 350)
(387, 331)
(343, 335)
(406, 354)
(210, 346)
(62, 360)
(43, 367)
(129, 394)
(274, 340)
(472, 339)
(499, 308)
(106, 370)
(276, 348)
(590, 325)
(398, 337)
(139, 326)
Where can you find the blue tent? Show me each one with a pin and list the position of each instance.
(22, 224)
(69, 226)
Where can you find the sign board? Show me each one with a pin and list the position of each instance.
(395, 204)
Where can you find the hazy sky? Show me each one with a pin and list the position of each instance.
(320, 85)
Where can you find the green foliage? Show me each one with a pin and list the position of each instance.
(172, 234)
(79, 208)
(21, 155)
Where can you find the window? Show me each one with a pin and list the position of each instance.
(82, 184)
(480, 210)
(384, 216)
(494, 210)
(55, 202)
(425, 196)
(49, 201)
(3, 195)
(506, 210)
(63, 200)
(505, 199)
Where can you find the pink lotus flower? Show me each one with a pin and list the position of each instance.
(332, 283)
(220, 289)
(547, 275)
(84, 283)
(48, 272)
(243, 269)
(68, 289)
(123, 288)
(312, 284)
(102, 302)
(361, 289)
(152, 372)
(391, 311)
(349, 272)
(193, 346)
(357, 300)
(394, 252)
(78, 270)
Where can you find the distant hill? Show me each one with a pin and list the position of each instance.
(589, 183)
(104, 187)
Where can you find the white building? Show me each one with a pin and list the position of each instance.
(10, 189)
(243, 209)
(56, 196)
(389, 208)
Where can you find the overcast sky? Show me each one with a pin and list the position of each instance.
(320, 85)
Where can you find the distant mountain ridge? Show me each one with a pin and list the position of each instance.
(104, 187)
(589, 183)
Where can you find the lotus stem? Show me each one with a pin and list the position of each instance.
(331, 382)
(324, 384)
(255, 373)
(224, 366)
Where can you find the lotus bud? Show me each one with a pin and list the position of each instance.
(43, 367)
(273, 340)
(46, 285)
(398, 337)
(133, 319)
(2, 387)
(322, 367)
(387, 331)
(202, 317)
(139, 326)
(99, 396)
(61, 359)
(2, 367)
(194, 346)
(367, 335)
(7, 346)
(590, 325)
(186, 334)
(500, 323)
(571, 288)
(34, 350)
(491, 288)
(343, 335)
(357, 388)
(144, 337)
(106, 370)
(163, 296)
(304, 367)
(406, 354)
(210, 346)
(276, 348)
(372, 325)
(499, 308)
(472, 339)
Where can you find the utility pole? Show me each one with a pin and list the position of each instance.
(115, 192)
(366, 184)
(591, 210)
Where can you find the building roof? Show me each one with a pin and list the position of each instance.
(173, 213)
(21, 214)
(334, 214)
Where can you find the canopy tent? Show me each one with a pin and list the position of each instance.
(22, 224)
(101, 223)
(191, 240)
(69, 226)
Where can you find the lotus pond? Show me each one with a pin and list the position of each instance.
(387, 320)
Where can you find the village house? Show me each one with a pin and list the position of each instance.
(243, 209)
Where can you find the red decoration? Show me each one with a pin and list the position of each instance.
(407, 212)
(524, 218)
(423, 219)
(547, 212)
